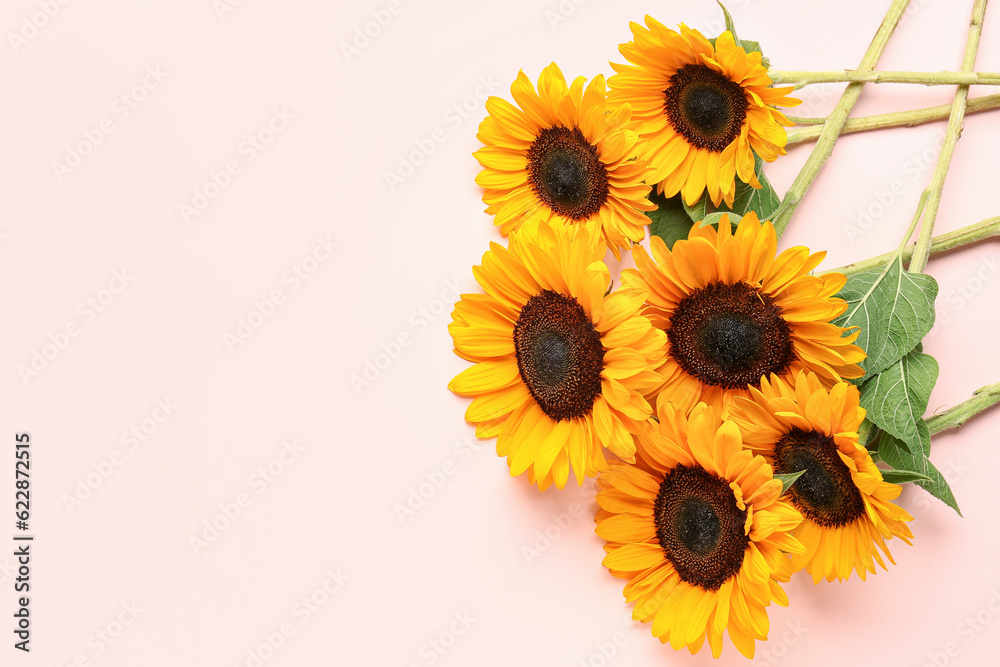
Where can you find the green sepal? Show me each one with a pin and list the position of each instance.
(904, 476)
(787, 479)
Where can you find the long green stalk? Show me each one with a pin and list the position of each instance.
(963, 78)
(922, 250)
(835, 123)
(887, 120)
(985, 229)
(956, 416)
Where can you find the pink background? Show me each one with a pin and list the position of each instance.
(469, 578)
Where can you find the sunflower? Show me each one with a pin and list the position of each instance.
(562, 367)
(841, 495)
(701, 110)
(702, 534)
(733, 312)
(565, 156)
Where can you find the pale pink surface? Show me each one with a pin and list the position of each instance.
(334, 505)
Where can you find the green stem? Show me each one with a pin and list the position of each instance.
(956, 416)
(922, 250)
(834, 124)
(985, 229)
(886, 120)
(963, 78)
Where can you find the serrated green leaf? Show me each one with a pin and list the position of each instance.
(669, 221)
(750, 46)
(894, 309)
(904, 476)
(896, 455)
(764, 202)
(697, 212)
(787, 479)
(896, 398)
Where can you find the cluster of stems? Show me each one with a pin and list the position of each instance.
(825, 132)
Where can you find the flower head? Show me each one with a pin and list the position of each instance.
(563, 154)
(841, 494)
(701, 533)
(701, 111)
(733, 312)
(562, 367)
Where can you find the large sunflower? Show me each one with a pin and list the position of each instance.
(842, 496)
(699, 109)
(562, 367)
(733, 312)
(563, 155)
(702, 535)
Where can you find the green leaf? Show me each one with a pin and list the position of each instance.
(895, 454)
(904, 476)
(730, 26)
(714, 219)
(764, 202)
(698, 212)
(748, 45)
(669, 221)
(788, 479)
(896, 398)
(894, 309)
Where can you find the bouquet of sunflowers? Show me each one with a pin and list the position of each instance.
(747, 415)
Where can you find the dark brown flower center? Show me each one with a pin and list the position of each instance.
(705, 107)
(566, 174)
(730, 336)
(559, 355)
(825, 492)
(700, 527)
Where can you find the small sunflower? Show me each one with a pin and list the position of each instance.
(733, 312)
(701, 110)
(563, 155)
(702, 534)
(842, 496)
(562, 367)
